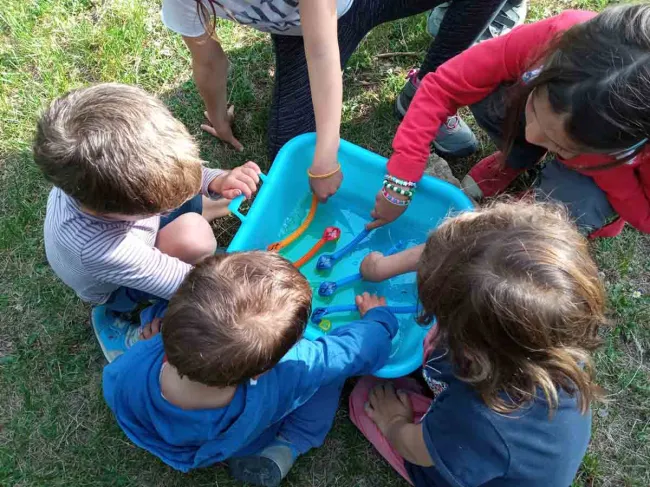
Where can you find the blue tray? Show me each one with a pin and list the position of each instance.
(283, 202)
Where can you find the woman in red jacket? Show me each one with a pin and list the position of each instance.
(576, 85)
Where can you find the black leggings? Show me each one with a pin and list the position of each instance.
(292, 112)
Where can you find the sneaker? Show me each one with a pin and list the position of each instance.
(455, 138)
(405, 96)
(434, 18)
(512, 14)
(114, 333)
(489, 177)
(266, 468)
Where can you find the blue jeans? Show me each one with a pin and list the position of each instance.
(125, 299)
(195, 205)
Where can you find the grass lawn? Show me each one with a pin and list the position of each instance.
(55, 429)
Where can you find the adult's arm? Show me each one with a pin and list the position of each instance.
(209, 63)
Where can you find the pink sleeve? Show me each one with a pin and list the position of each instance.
(628, 191)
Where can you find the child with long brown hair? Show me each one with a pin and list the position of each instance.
(574, 85)
(517, 304)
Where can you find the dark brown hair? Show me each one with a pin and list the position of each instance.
(116, 149)
(235, 316)
(518, 303)
(598, 73)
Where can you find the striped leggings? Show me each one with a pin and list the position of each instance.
(292, 112)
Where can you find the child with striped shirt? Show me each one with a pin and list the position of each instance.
(130, 209)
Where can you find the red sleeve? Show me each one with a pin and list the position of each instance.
(467, 79)
(628, 191)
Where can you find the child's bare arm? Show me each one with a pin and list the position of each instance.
(377, 267)
(392, 413)
(408, 440)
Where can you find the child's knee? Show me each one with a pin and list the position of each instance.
(189, 237)
(198, 235)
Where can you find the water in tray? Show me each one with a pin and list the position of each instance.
(351, 219)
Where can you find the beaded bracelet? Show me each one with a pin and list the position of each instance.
(401, 182)
(395, 201)
(404, 192)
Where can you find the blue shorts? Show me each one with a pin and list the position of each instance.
(195, 205)
(125, 299)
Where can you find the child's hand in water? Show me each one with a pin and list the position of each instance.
(371, 267)
(323, 188)
(241, 180)
(366, 301)
(377, 267)
(384, 211)
(388, 408)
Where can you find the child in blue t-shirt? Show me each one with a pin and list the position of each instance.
(229, 377)
(518, 304)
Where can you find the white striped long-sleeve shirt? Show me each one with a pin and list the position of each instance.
(95, 256)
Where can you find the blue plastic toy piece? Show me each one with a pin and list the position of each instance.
(398, 247)
(326, 261)
(328, 288)
(319, 313)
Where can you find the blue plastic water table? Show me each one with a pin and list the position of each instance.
(283, 202)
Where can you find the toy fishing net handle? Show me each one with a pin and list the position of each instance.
(353, 243)
(331, 234)
(348, 279)
(319, 313)
(308, 256)
(277, 246)
(328, 288)
(398, 247)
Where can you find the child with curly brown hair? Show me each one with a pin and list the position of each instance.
(517, 303)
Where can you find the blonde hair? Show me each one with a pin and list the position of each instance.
(518, 302)
(116, 149)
